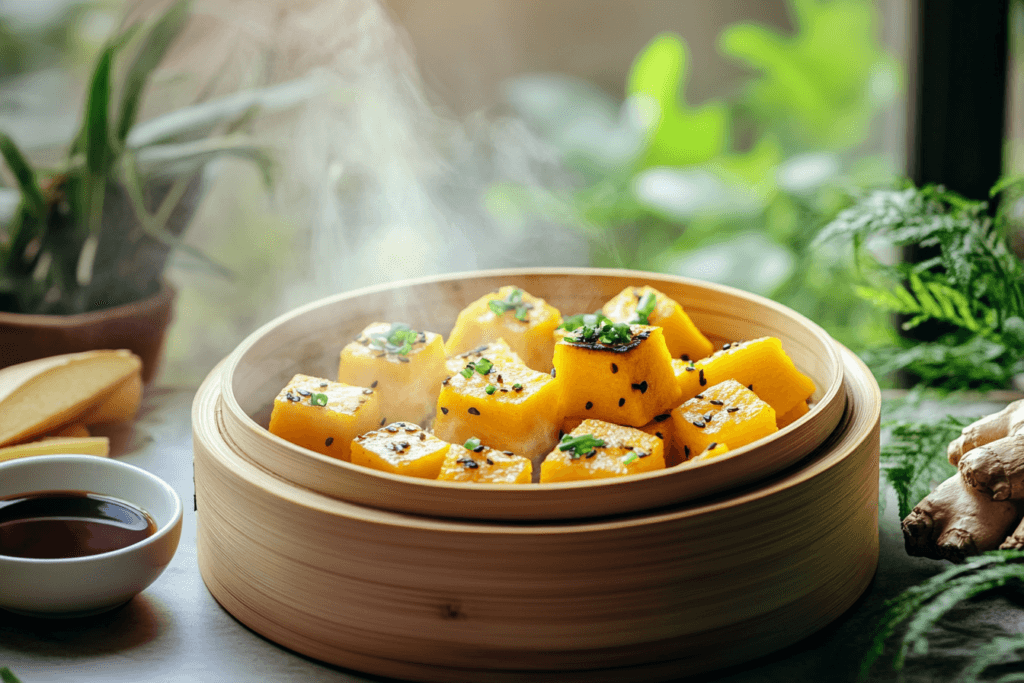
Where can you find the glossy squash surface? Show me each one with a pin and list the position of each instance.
(504, 403)
(483, 465)
(623, 451)
(400, 448)
(712, 451)
(407, 383)
(726, 412)
(761, 364)
(324, 416)
(622, 383)
(526, 322)
(681, 335)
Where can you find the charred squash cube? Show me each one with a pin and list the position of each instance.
(522, 320)
(599, 450)
(507, 405)
(726, 412)
(324, 416)
(760, 364)
(400, 448)
(405, 366)
(647, 306)
(617, 373)
(475, 463)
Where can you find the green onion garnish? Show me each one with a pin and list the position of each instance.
(513, 301)
(490, 389)
(630, 458)
(611, 334)
(471, 444)
(644, 308)
(318, 399)
(483, 366)
(517, 386)
(466, 372)
(595, 319)
(579, 445)
(398, 339)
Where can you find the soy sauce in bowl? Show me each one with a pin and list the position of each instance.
(63, 524)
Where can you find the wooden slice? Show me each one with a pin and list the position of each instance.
(309, 339)
(642, 596)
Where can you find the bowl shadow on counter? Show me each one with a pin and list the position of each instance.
(134, 624)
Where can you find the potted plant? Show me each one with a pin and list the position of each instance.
(83, 255)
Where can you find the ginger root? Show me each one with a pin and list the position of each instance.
(976, 509)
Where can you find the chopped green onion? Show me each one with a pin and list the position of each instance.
(483, 366)
(644, 308)
(490, 389)
(318, 399)
(579, 445)
(517, 386)
(513, 301)
(398, 339)
(466, 372)
(595, 319)
(632, 457)
(471, 444)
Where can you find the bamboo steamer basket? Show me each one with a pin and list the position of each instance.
(644, 594)
(309, 339)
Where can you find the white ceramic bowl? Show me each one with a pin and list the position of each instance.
(80, 586)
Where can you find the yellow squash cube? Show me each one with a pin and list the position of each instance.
(798, 411)
(405, 367)
(711, 452)
(648, 306)
(504, 403)
(492, 349)
(663, 428)
(599, 450)
(726, 412)
(760, 364)
(478, 464)
(324, 416)
(627, 381)
(400, 448)
(522, 320)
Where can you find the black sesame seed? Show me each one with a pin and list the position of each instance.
(329, 441)
(712, 445)
(444, 410)
(733, 409)
(473, 411)
(504, 390)
(642, 455)
(552, 372)
(508, 452)
(367, 391)
(411, 428)
(382, 421)
(716, 402)
(708, 416)
(725, 347)
(500, 380)
(684, 357)
(479, 449)
(374, 385)
(591, 453)
(489, 461)
(615, 368)
(628, 448)
(622, 402)
(686, 449)
(590, 404)
(323, 384)
(444, 382)
(472, 464)
(303, 392)
(750, 386)
(689, 368)
(382, 354)
(662, 417)
(699, 396)
(703, 382)
(404, 359)
(392, 429)
(423, 436)
(698, 424)
(660, 435)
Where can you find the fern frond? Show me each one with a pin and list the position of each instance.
(914, 460)
(922, 606)
(7, 677)
(998, 651)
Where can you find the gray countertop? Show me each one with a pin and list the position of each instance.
(175, 631)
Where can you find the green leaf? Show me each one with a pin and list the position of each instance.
(97, 131)
(677, 135)
(22, 170)
(174, 160)
(7, 677)
(149, 55)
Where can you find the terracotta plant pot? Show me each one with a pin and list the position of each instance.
(140, 326)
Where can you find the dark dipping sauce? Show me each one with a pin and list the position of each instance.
(61, 524)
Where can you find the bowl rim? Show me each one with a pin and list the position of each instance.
(70, 459)
(230, 404)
